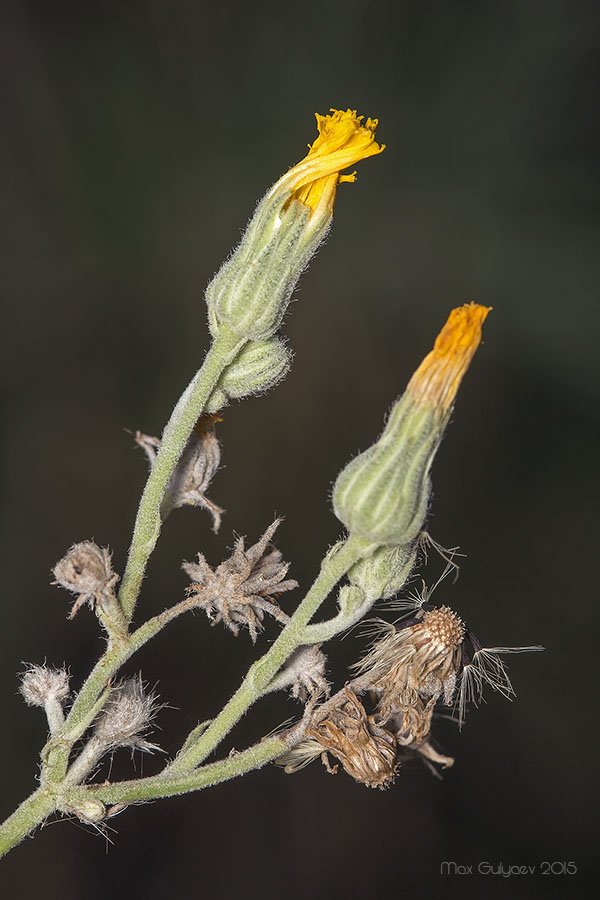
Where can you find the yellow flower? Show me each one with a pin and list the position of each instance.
(438, 378)
(343, 140)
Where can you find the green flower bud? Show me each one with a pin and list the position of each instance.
(253, 289)
(384, 573)
(259, 366)
(383, 494)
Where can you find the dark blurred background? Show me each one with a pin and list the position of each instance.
(136, 139)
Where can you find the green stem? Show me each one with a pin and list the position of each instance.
(25, 818)
(261, 672)
(164, 785)
(224, 349)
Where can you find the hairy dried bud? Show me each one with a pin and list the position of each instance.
(40, 684)
(126, 716)
(88, 811)
(243, 588)
(306, 670)
(366, 750)
(86, 570)
(195, 470)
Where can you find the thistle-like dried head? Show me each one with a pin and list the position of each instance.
(86, 570)
(366, 750)
(243, 588)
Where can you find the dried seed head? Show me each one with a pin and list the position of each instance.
(366, 750)
(40, 684)
(409, 668)
(243, 588)
(126, 716)
(86, 570)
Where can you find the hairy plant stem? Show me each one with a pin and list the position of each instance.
(223, 351)
(31, 813)
(162, 785)
(59, 790)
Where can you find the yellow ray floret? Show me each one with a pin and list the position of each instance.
(343, 141)
(438, 378)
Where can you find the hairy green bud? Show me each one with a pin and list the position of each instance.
(259, 366)
(382, 574)
(253, 289)
(383, 494)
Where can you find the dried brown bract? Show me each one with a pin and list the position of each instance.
(86, 570)
(243, 588)
(366, 750)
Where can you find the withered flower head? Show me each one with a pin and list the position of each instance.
(40, 684)
(86, 570)
(423, 659)
(195, 470)
(411, 666)
(243, 588)
(126, 716)
(366, 750)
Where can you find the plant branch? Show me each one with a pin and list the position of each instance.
(223, 351)
(261, 673)
(165, 785)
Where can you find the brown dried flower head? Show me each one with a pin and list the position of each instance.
(86, 570)
(425, 658)
(195, 470)
(366, 750)
(243, 588)
(410, 667)
(40, 684)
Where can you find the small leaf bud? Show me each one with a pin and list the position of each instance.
(86, 570)
(259, 366)
(385, 571)
(383, 494)
(87, 810)
(40, 684)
